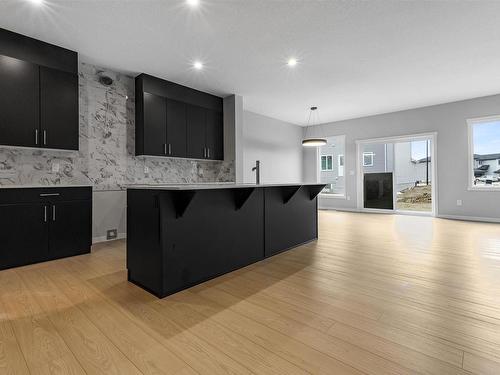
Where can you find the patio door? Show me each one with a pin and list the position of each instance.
(396, 175)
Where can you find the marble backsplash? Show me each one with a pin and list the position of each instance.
(107, 140)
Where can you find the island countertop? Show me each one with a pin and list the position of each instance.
(211, 186)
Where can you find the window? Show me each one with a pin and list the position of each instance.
(326, 162)
(331, 167)
(341, 165)
(368, 159)
(484, 153)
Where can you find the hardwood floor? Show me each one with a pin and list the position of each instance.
(376, 294)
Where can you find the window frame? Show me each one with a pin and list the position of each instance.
(321, 164)
(368, 153)
(470, 155)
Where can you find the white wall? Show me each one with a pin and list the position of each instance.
(276, 144)
(449, 121)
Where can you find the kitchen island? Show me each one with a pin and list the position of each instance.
(181, 235)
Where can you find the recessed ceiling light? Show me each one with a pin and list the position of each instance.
(193, 3)
(292, 62)
(36, 2)
(198, 65)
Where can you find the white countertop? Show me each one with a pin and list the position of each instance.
(39, 186)
(211, 186)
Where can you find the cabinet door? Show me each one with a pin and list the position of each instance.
(196, 132)
(70, 228)
(176, 128)
(19, 103)
(59, 109)
(155, 125)
(215, 135)
(23, 234)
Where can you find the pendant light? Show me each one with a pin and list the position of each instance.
(310, 141)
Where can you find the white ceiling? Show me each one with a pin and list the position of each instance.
(355, 58)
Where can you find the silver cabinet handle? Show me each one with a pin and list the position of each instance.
(164, 149)
(36, 137)
(169, 149)
(44, 214)
(204, 152)
(54, 213)
(45, 137)
(49, 195)
(208, 152)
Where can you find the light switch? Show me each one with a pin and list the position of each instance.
(351, 173)
(459, 202)
(146, 169)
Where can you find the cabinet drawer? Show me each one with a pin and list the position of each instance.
(27, 195)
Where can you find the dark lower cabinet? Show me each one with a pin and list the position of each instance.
(58, 109)
(43, 224)
(70, 228)
(23, 234)
(18, 102)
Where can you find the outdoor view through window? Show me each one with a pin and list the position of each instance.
(485, 153)
(331, 162)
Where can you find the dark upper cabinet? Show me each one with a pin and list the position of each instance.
(58, 109)
(176, 128)
(196, 132)
(215, 135)
(38, 93)
(23, 234)
(177, 121)
(70, 228)
(19, 101)
(155, 130)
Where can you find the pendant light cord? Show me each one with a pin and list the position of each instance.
(308, 122)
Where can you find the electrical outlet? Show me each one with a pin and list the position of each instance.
(146, 169)
(111, 234)
(459, 202)
(55, 167)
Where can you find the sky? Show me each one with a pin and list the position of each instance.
(418, 150)
(487, 138)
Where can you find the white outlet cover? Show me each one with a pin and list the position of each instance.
(459, 202)
(146, 169)
(55, 167)
(351, 173)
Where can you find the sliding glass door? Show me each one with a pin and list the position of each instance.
(396, 175)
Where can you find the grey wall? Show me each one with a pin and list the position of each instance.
(276, 144)
(449, 121)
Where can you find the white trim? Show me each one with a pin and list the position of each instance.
(471, 218)
(470, 156)
(100, 239)
(371, 154)
(332, 196)
(412, 137)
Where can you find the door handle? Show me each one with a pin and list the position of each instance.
(54, 213)
(44, 214)
(45, 137)
(36, 137)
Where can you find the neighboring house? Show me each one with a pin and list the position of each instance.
(396, 158)
(487, 164)
(332, 169)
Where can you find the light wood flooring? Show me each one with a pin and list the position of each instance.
(376, 294)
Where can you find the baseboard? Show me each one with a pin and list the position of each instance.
(103, 238)
(339, 209)
(471, 218)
